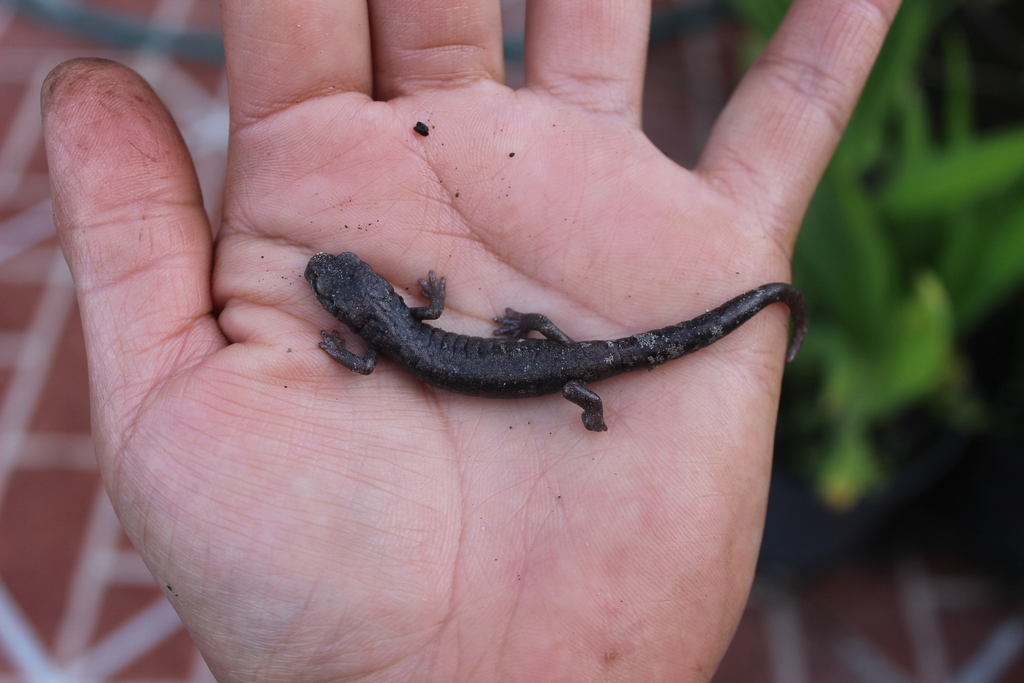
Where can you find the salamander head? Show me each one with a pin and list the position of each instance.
(347, 287)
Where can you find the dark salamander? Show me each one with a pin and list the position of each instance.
(514, 367)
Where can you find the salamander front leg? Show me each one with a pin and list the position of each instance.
(433, 291)
(515, 325)
(335, 348)
(593, 410)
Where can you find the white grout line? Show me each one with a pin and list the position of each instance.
(5, 20)
(46, 450)
(783, 632)
(24, 650)
(34, 363)
(129, 570)
(23, 135)
(21, 231)
(702, 74)
(866, 662)
(128, 642)
(994, 657)
(151, 64)
(200, 671)
(32, 264)
(18, 64)
(10, 344)
(33, 188)
(921, 618)
(203, 118)
(172, 14)
(958, 593)
(89, 583)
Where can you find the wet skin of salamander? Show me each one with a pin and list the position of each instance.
(516, 366)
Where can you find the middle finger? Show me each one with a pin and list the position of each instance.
(419, 45)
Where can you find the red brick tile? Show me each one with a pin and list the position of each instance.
(864, 599)
(30, 267)
(120, 604)
(45, 511)
(5, 377)
(964, 633)
(210, 76)
(1015, 673)
(64, 404)
(37, 163)
(746, 661)
(173, 658)
(42, 520)
(24, 32)
(10, 92)
(129, 9)
(18, 305)
(205, 14)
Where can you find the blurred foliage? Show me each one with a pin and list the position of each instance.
(914, 236)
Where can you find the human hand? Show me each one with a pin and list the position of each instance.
(318, 525)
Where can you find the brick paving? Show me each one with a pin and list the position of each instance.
(76, 602)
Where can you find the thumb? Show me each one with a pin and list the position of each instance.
(130, 218)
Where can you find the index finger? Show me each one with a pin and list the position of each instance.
(771, 144)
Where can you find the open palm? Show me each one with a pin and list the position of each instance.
(313, 524)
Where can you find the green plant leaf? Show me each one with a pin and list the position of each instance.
(997, 270)
(918, 355)
(863, 385)
(959, 115)
(868, 269)
(959, 241)
(915, 234)
(867, 382)
(944, 183)
(829, 354)
(894, 72)
(849, 468)
(763, 15)
(915, 134)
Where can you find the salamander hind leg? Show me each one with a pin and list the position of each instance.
(515, 325)
(433, 291)
(335, 348)
(593, 409)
